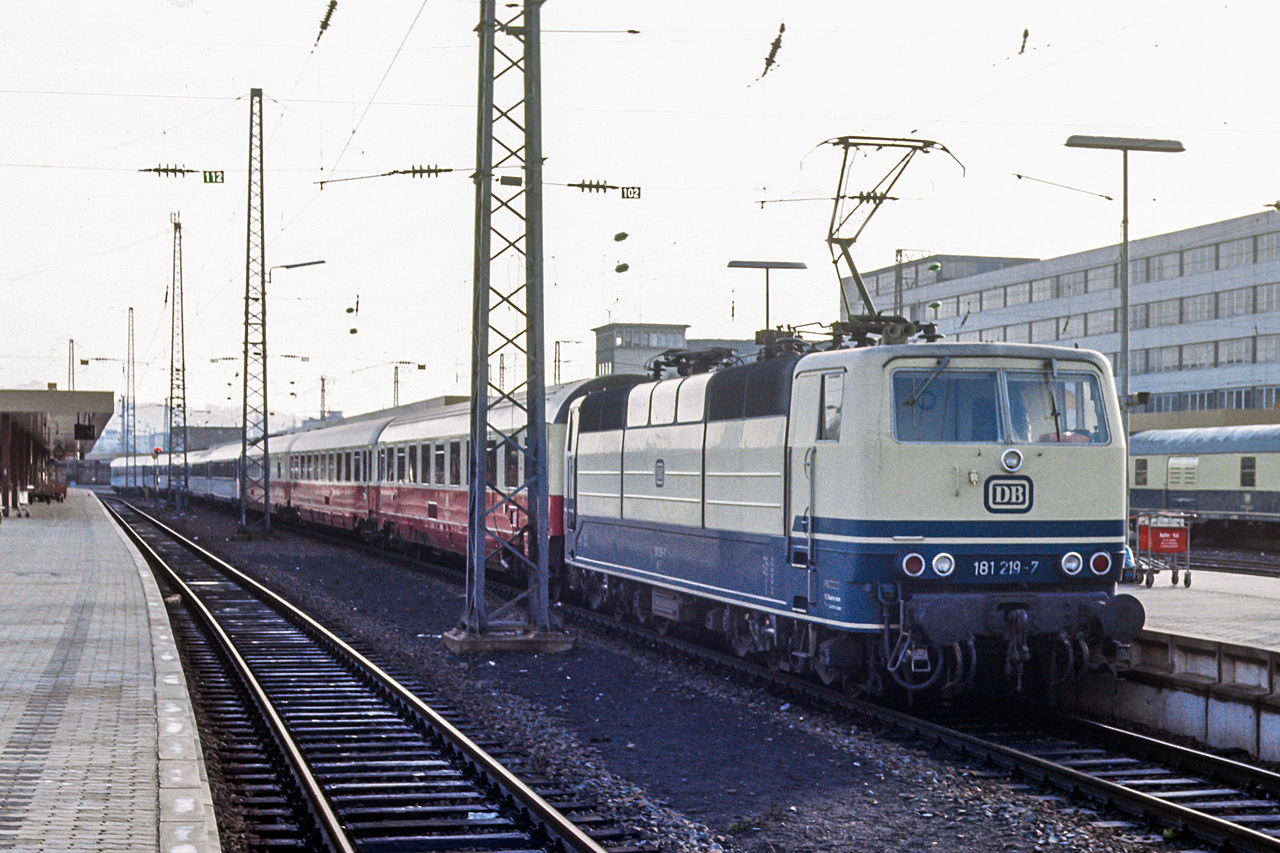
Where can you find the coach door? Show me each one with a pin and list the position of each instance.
(817, 403)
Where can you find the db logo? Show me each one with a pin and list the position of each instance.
(1008, 494)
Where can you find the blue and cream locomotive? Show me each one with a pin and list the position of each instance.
(909, 509)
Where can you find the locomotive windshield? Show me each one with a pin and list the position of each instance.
(982, 406)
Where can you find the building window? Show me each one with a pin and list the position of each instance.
(971, 303)
(1267, 298)
(1268, 246)
(1137, 361)
(1164, 403)
(1018, 333)
(1236, 253)
(1235, 303)
(1100, 322)
(992, 299)
(1044, 330)
(1198, 308)
(1071, 327)
(1102, 278)
(1139, 472)
(1237, 398)
(1202, 401)
(946, 308)
(1018, 294)
(1042, 289)
(992, 335)
(1164, 313)
(1237, 351)
(1248, 472)
(1138, 271)
(1268, 398)
(1199, 260)
(1071, 284)
(1196, 356)
(1164, 267)
(1137, 316)
(1163, 359)
(1268, 348)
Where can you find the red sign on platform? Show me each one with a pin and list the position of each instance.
(1163, 540)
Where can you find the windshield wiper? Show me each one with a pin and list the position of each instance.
(915, 393)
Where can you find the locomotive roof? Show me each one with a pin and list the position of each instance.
(1255, 438)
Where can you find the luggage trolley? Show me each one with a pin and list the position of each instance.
(1164, 542)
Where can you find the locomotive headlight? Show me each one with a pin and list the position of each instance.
(1072, 563)
(913, 565)
(944, 564)
(1100, 563)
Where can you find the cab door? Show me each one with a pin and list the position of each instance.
(817, 405)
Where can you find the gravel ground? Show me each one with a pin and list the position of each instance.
(694, 761)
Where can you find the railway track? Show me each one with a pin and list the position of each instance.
(1212, 561)
(323, 750)
(1183, 793)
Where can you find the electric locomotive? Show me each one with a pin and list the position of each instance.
(923, 510)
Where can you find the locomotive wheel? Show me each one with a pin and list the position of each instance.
(1151, 577)
(662, 625)
(1173, 577)
(741, 643)
(1186, 580)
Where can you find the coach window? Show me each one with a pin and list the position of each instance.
(1248, 472)
(831, 404)
(511, 462)
(1139, 472)
(346, 466)
(355, 465)
(439, 464)
(455, 463)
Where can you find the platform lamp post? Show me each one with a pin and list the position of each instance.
(766, 266)
(260, 360)
(1124, 145)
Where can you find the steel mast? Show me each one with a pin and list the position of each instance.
(507, 473)
(178, 379)
(255, 471)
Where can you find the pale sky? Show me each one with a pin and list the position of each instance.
(92, 93)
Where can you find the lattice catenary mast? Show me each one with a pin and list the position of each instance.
(179, 470)
(255, 473)
(508, 226)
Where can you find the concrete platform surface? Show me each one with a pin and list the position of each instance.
(98, 745)
(1228, 608)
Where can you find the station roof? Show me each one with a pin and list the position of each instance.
(50, 417)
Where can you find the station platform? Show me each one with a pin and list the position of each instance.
(98, 745)
(1218, 606)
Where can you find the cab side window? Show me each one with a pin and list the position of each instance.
(831, 404)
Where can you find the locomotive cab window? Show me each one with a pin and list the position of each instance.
(831, 405)
(1139, 472)
(945, 405)
(1048, 408)
(952, 405)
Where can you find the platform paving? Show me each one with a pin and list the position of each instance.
(98, 746)
(1229, 608)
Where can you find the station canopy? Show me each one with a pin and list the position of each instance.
(66, 424)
